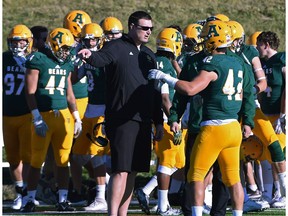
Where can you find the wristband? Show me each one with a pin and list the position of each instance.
(76, 116)
(35, 113)
(171, 81)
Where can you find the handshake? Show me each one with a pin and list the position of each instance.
(159, 75)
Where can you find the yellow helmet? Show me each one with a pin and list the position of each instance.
(60, 41)
(20, 32)
(75, 20)
(92, 31)
(216, 34)
(252, 40)
(237, 33)
(219, 16)
(192, 40)
(251, 148)
(170, 40)
(111, 25)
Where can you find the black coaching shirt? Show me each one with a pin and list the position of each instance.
(130, 95)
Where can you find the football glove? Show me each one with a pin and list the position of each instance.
(280, 124)
(77, 128)
(78, 124)
(177, 139)
(40, 126)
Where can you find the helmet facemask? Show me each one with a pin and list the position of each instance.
(86, 42)
(16, 48)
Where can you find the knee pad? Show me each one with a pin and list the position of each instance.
(165, 170)
(276, 152)
(98, 161)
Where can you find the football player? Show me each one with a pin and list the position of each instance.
(74, 21)
(221, 81)
(273, 102)
(86, 148)
(112, 28)
(16, 113)
(251, 59)
(54, 114)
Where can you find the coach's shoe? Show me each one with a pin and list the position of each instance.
(143, 200)
(251, 206)
(169, 211)
(29, 207)
(64, 206)
(97, 205)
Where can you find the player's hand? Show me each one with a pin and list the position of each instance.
(280, 124)
(40, 126)
(177, 139)
(159, 132)
(246, 131)
(77, 128)
(175, 126)
(157, 75)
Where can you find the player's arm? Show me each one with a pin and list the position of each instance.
(261, 82)
(31, 83)
(73, 107)
(195, 86)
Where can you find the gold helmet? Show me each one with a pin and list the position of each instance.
(191, 36)
(237, 33)
(20, 32)
(251, 148)
(216, 34)
(111, 25)
(252, 40)
(60, 41)
(170, 40)
(75, 20)
(219, 16)
(92, 31)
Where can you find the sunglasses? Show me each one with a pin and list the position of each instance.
(144, 28)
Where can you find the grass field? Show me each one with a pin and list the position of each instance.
(133, 210)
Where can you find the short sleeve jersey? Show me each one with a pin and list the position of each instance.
(165, 65)
(96, 84)
(271, 97)
(222, 97)
(52, 81)
(14, 100)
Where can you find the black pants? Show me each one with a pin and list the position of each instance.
(186, 204)
(220, 193)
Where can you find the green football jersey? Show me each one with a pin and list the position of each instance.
(13, 93)
(247, 112)
(271, 98)
(247, 53)
(79, 88)
(222, 98)
(52, 81)
(165, 65)
(189, 71)
(96, 84)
